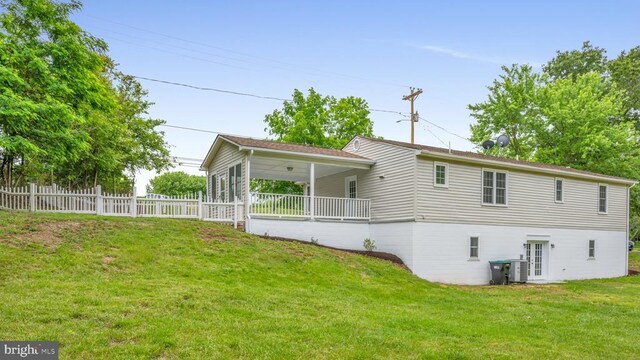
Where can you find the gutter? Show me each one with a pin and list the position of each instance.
(301, 154)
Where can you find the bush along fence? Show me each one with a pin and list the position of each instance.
(93, 201)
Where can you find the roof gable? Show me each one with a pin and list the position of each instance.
(247, 143)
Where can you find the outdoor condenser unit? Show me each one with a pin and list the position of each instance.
(518, 271)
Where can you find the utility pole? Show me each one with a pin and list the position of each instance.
(414, 118)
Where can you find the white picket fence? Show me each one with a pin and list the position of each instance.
(94, 201)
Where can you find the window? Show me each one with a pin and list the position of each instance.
(213, 186)
(602, 199)
(559, 190)
(494, 187)
(473, 247)
(235, 182)
(351, 187)
(222, 186)
(592, 249)
(440, 174)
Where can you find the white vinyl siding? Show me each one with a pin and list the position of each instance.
(441, 175)
(226, 157)
(559, 190)
(494, 187)
(603, 201)
(530, 198)
(389, 184)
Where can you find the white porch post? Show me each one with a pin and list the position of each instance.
(312, 191)
(247, 196)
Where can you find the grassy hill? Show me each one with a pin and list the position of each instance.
(122, 288)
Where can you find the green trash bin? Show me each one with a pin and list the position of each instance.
(499, 272)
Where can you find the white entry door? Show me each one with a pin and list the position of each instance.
(350, 192)
(537, 258)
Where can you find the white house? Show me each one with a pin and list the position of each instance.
(445, 213)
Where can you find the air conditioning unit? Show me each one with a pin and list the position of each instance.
(518, 271)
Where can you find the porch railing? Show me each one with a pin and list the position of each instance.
(299, 206)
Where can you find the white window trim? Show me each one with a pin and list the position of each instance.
(606, 202)
(220, 187)
(589, 257)
(469, 236)
(213, 194)
(233, 165)
(446, 174)
(506, 191)
(555, 190)
(347, 179)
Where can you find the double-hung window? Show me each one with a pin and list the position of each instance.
(474, 242)
(559, 192)
(213, 187)
(235, 182)
(440, 174)
(494, 187)
(602, 199)
(592, 249)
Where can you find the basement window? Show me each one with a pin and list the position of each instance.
(474, 242)
(592, 249)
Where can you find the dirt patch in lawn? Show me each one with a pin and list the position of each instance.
(48, 234)
(213, 234)
(375, 254)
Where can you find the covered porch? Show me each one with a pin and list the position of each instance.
(313, 203)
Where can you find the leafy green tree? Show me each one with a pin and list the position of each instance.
(48, 75)
(510, 109)
(320, 120)
(66, 113)
(625, 73)
(577, 130)
(315, 120)
(571, 64)
(177, 183)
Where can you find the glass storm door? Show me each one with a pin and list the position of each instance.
(535, 257)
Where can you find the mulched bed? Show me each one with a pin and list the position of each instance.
(375, 254)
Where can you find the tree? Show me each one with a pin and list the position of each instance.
(66, 113)
(48, 75)
(315, 120)
(578, 130)
(625, 73)
(510, 109)
(177, 183)
(320, 120)
(571, 64)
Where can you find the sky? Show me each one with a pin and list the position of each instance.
(371, 49)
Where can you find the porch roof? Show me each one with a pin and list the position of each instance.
(293, 152)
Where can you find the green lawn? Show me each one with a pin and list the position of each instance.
(634, 260)
(121, 288)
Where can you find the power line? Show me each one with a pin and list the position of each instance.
(241, 94)
(188, 128)
(210, 89)
(447, 131)
(244, 54)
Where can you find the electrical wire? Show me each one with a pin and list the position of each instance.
(209, 89)
(244, 54)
